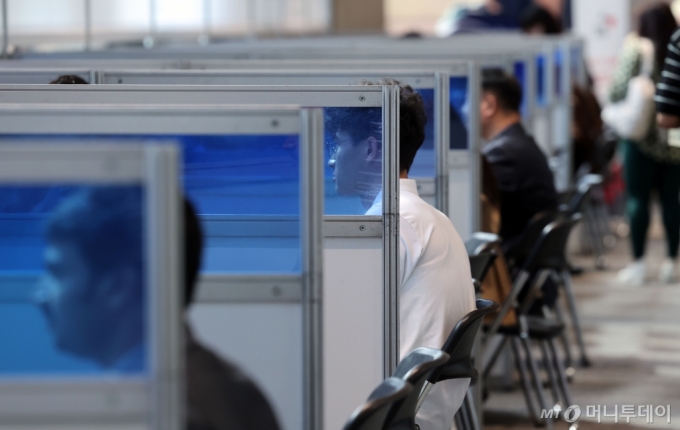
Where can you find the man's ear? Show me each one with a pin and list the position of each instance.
(120, 288)
(488, 105)
(373, 149)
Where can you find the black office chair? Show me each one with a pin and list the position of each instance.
(459, 346)
(481, 242)
(416, 368)
(517, 254)
(546, 258)
(372, 415)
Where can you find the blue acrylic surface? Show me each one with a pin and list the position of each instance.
(459, 114)
(519, 69)
(238, 177)
(559, 65)
(55, 319)
(541, 93)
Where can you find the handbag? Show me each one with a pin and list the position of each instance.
(632, 117)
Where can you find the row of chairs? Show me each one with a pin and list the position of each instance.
(537, 260)
(395, 402)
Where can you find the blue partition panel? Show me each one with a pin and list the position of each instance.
(459, 114)
(72, 281)
(519, 69)
(246, 189)
(558, 73)
(541, 94)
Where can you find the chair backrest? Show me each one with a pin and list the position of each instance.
(461, 341)
(532, 233)
(372, 414)
(481, 242)
(481, 263)
(583, 187)
(419, 365)
(550, 248)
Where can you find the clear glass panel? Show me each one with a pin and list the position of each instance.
(246, 188)
(72, 296)
(353, 176)
(576, 59)
(459, 115)
(541, 95)
(424, 163)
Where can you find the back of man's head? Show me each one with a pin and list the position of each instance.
(504, 87)
(193, 250)
(69, 79)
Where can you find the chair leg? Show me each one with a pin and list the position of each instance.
(459, 420)
(465, 416)
(538, 384)
(524, 382)
(575, 321)
(472, 410)
(568, 360)
(548, 365)
(561, 377)
(494, 357)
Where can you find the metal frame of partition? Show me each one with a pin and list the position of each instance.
(342, 96)
(42, 75)
(160, 400)
(140, 120)
(437, 80)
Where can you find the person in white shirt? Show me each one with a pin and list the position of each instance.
(434, 271)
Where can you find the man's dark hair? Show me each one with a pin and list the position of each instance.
(536, 15)
(105, 224)
(505, 87)
(362, 123)
(193, 250)
(69, 79)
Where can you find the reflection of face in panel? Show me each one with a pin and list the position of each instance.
(91, 291)
(356, 166)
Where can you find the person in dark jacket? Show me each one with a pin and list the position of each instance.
(521, 170)
(219, 396)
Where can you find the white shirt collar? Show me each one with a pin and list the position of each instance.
(405, 185)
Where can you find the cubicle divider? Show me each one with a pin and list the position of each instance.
(448, 94)
(359, 336)
(91, 363)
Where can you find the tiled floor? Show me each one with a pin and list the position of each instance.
(633, 341)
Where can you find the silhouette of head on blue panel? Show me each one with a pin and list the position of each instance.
(92, 290)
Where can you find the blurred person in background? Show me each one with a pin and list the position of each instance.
(493, 15)
(650, 164)
(524, 180)
(219, 396)
(537, 20)
(668, 90)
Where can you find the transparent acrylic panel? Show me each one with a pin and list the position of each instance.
(576, 60)
(425, 162)
(541, 95)
(558, 73)
(459, 112)
(246, 189)
(521, 75)
(72, 281)
(353, 175)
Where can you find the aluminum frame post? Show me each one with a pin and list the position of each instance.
(311, 226)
